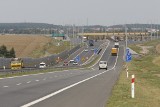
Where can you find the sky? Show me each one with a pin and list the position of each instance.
(80, 12)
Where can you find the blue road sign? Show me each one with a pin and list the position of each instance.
(95, 50)
(77, 59)
(128, 56)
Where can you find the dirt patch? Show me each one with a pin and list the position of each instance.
(24, 45)
(158, 48)
(145, 49)
(157, 75)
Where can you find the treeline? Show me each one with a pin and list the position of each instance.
(7, 53)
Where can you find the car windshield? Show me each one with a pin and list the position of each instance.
(103, 63)
(42, 64)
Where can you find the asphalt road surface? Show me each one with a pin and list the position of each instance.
(69, 88)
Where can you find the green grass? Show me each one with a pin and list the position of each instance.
(147, 83)
(51, 48)
(135, 48)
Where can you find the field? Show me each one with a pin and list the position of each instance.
(33, 45)
(147, 80)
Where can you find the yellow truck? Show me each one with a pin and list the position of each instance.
(16, 63)
(114, 51)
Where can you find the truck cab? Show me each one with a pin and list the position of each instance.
(114, 51)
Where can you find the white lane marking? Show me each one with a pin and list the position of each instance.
(93, 69)
(50, 72)
(5, 86)
(28, 82)
(71, 73)
(44, 79)
(40, 73)
(66, 88)
(59, 91)
(50, 77)
(92, 55)
(19, 84)
(66, 70)
(101, 56)
(37, 80)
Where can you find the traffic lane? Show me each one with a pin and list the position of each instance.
(92, 93)
(91, 51)
(84, 54)
(106, 54)
(13, 90)
(51, 75)
(29, 92)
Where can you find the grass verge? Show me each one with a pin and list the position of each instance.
(147, 83)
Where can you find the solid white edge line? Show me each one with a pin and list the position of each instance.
(101, 56)
(39, 73)
(68, 87)
(92, 55)
(61, 90)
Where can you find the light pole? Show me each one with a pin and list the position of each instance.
(126, 35)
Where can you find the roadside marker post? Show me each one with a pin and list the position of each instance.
(127, 70)
(132, 86)
(4, 67)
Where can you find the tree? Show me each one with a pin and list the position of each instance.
(3, 51)
(12, 53)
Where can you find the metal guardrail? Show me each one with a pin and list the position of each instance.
(34, 62)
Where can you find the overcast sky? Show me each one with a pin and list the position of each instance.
(98, 12)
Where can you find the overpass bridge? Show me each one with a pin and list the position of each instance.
(131, 35)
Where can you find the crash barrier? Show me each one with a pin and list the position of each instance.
(34, 62)
(99, 51)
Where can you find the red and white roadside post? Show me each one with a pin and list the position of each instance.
(132, 86)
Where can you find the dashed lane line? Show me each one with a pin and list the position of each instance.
(5, 86)
(44, 79)
(28, 82)
(19, 84)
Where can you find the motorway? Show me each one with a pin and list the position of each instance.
(69, 88)
(84, 55)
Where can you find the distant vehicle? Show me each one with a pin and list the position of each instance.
(65, 63)
(16, 63)
(92, 49)
(103, 65)
(116, 44)
(75, 63)
(71, 61)
(91, 43)
(84, 39)
(86, 50)
(42, 65)
(116, 39)
(121, 38)
(114, 51)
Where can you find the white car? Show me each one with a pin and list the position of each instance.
(71, 61)
(75, 63)
(42, 65)
(92, 49)
(86, 50)
(103, 65)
